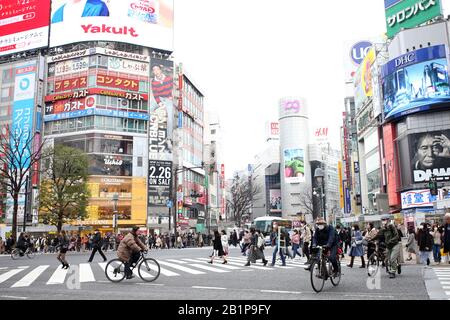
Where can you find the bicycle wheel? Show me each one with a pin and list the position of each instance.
(115, 270)
(336, 280)
(15, 254)
(317, 278)
(149, 269)
(30, 254)
(373, 264)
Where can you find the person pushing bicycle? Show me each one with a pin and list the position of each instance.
(392, 241)
(326, 236)
(129, 250)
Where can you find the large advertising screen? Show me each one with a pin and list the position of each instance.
(294, 166)
(430, 154)
(23, 25)
(415, 81)
(147, 23)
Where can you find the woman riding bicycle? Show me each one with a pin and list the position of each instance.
(129, 250)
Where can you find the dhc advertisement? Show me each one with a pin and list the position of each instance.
(416, 81)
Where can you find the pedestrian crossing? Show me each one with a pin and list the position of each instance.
(51, 275)
(443, 275)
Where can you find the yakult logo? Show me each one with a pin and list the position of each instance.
(148, 9)
(109, 29)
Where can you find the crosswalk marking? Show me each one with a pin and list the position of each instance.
(167, 273)
(86, 274)
(58, 276)
(445, 282)
(253, 267)
(447, 293)
(30, 277)
(209, 268)
(226, 266)
(185, 269)
(176, 261)
(9, 274)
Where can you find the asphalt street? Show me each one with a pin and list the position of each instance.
(186, 275)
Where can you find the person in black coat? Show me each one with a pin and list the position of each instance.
(218, 248)
(425, 242)
(97, 246)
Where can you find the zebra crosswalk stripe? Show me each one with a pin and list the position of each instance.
(30, 277)
(86, 274)
(182, 268)
(253, 267)
(176, 261)
(209, 268)
(225, 266)
(9, 274)
(58, 276)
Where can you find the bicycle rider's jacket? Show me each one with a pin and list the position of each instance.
(391, 238)
(326, 237)
(128, 245)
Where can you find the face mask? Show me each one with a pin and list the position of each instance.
(435, 229)
(420, 227)
(321, 226)
(353, 229)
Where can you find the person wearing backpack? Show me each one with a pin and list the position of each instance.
(256, 248)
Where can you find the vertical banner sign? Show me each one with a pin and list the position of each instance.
(341, 189)
(348, 205)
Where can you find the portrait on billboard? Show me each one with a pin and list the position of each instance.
(415, 82)
(430, 154)
(74, 9)
(294, 166)
(275, 200)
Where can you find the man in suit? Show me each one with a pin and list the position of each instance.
(97, 245)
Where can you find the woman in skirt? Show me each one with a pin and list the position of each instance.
(256, 248)
(63, 247)
(218, 248)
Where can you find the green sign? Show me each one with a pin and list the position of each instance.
(200, 227)
(410, 13)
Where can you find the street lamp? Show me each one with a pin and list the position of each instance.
(115, 199)
(319, 175)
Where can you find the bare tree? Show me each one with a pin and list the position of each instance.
(307, 201)
(17, 157)
(242, 192)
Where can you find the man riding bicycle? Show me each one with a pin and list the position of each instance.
(325, 236)
(392, 242)
(129, 250)
(22, 243)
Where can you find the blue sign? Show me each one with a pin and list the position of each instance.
(390, 3)
(169, 204)
(93, 111)
(180, 119)
(359, 51)
(348, 204)
(416, 81)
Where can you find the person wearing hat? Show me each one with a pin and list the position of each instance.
(97, 246)
(392, 242)
(326, 236)
(129, 250)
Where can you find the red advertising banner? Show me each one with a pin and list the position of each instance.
(393, 182)
(116, 82)
(70, 84)
(70, 105)
(99, 91)
(24, 25)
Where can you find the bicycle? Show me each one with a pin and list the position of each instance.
(377, 258)
(17, 253)
(148, 269)
(322, 270)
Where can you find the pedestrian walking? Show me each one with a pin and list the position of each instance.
(63, 247)
(225, 244)
(348, 239)
(369, 239)
(277, 250)
(437, 242)
(411, 244)
(446, 238)
(218, 248)
(357, 249)
(97, 246)
(341, 239)
(246, 240)
(256, 248)
(2, 246)
(425, 243)
(295, 239)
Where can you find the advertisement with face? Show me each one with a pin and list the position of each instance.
(275, 200)
(294, 167)
(23, 25)
(161, 109)
(416, 81)
(430, 154)
(147, 23)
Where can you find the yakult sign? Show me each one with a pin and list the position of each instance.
(147, 23)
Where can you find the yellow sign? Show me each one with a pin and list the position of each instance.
(366, 72)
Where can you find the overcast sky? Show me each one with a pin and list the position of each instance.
(247, 54)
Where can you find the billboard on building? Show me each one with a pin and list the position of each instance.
(275, 200)
(294, 165)
(363, 82)
(161, 110)
(420, 198)
(406, 14)
(430, 154)
(147, 23)
(354, 53)
(159, 182)
(415, 81)
(24, 25)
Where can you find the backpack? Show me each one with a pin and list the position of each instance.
(261, 241)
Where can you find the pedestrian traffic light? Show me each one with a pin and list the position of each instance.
(432, 185)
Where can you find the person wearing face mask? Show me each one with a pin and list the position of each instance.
(370, 235)
(411, 243)
(392, 242)
(357, 249)
(306, 239)
(425, 242)
(437, 235)
(326, 236)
